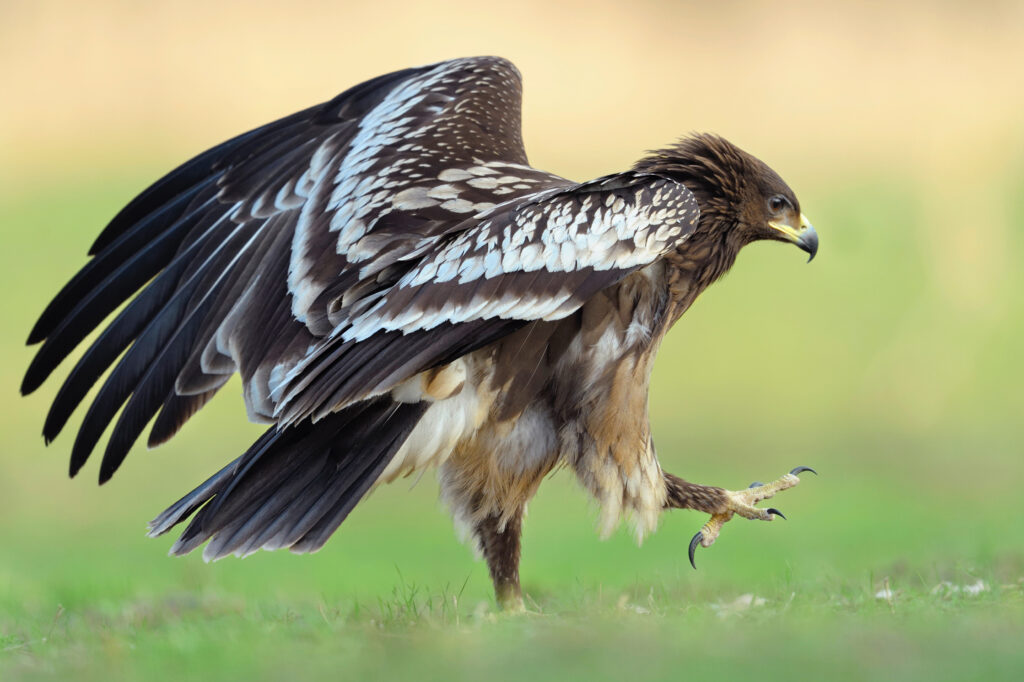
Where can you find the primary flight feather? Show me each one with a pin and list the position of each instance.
(398, 289)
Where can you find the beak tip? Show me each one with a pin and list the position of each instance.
(808, 241)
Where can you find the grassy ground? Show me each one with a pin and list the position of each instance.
(824, 596)
(812, 633)
(903, 560)
(862, 583)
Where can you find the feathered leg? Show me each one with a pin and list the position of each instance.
(499, 542)
(490, 502)
(723, 504)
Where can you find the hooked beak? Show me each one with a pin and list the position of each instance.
(805, 237)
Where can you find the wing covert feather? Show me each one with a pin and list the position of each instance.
(538, 259)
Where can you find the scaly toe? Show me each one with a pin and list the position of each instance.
(743, 503)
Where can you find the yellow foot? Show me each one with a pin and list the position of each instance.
(742, 502)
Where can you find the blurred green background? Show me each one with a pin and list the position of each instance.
(891, 364)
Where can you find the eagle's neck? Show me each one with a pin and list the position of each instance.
(701, 260)
(716, 172)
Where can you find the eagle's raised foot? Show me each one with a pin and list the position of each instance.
(742, 502)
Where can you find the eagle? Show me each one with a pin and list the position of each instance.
(399, 289)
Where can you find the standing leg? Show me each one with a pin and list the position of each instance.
(500, 545)
(492, 509)
(487, 482)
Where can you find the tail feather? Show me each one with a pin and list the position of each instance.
(295, 485)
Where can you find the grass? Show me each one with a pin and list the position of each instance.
(857, 365)
(813, 630)
(862, 583)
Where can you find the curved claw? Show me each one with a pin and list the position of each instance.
(755, 484)
(776, 512)
(693, 547)
(800, 470)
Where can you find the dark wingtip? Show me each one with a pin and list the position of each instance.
(52, 427)
(40, 369)
(35, 336)
(111, 462)
(79, 455)
(32, 380)
(693, 547)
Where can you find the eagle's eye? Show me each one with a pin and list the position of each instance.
(778, 203)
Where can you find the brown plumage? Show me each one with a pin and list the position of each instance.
(399, 289)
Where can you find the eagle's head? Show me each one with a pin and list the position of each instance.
(741, 199)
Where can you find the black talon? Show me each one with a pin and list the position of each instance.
(773, 510)
(802, 469)
(755, 484)
(693, 547)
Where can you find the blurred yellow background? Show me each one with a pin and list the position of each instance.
(891, 363)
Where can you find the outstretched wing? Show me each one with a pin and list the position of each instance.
(538, 259)
(246, 256)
